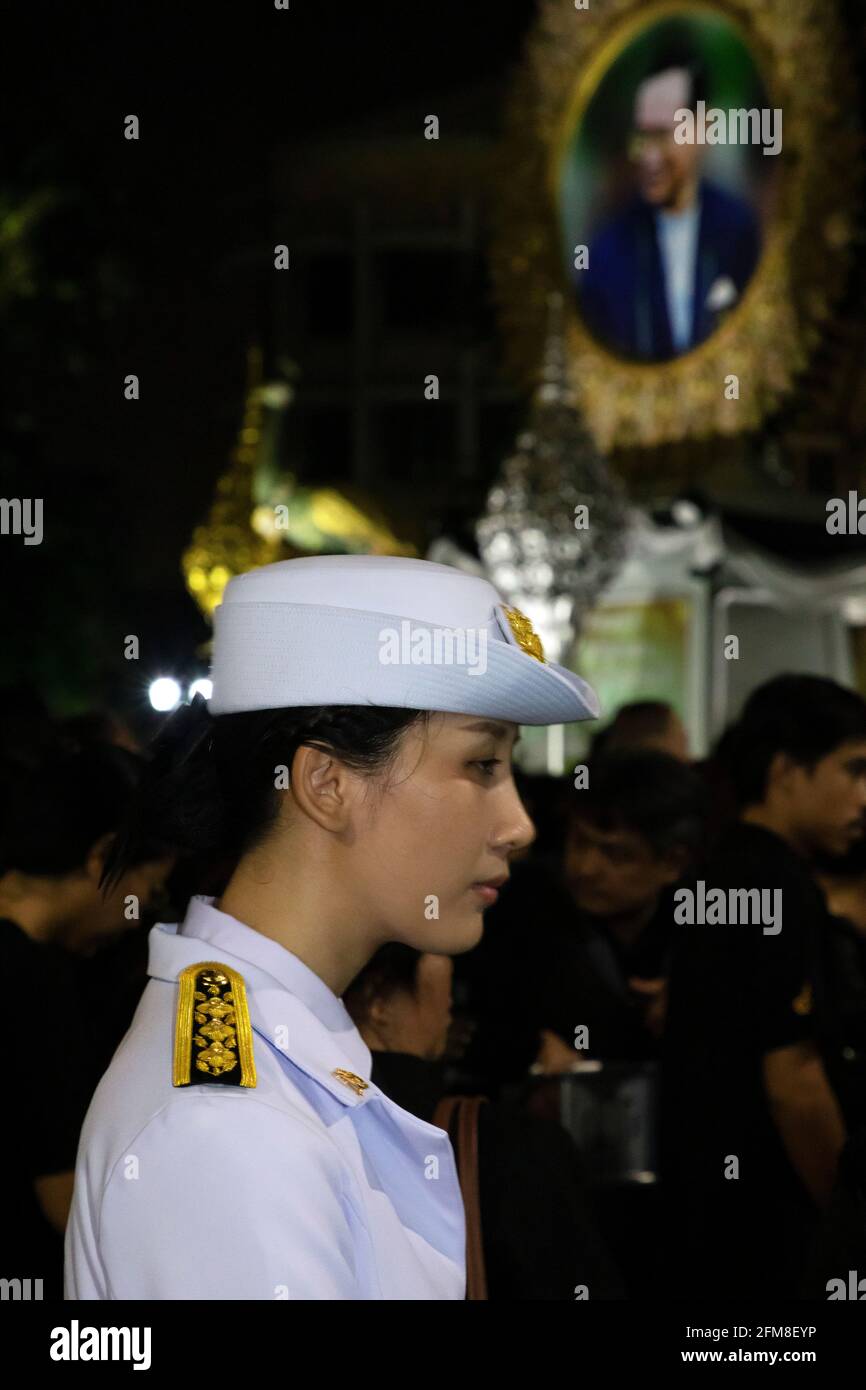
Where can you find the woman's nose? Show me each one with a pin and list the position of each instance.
(522, 831)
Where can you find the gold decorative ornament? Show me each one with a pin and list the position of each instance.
(525, 635)
(348, 1078)
(213, 1040)
(803, 1003)
(801, 54)
(261, 513)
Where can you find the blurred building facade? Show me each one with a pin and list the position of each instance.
(388, 285)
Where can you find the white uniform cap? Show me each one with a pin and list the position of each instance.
(384, 630)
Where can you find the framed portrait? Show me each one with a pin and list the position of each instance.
(661, 236)
(685, 173)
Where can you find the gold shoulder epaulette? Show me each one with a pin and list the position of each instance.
(213, 1040)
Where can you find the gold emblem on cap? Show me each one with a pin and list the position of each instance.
(527, 638)
(357, 1083)
(803, 1003)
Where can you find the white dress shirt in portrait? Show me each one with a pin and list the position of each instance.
(678, 246)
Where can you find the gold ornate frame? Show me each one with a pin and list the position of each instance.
(800, 49)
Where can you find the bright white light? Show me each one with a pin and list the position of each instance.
(164, 693)
(685, 513)
(203, 686)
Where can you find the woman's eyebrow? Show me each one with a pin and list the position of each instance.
(489, 726)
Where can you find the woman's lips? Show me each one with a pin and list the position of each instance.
(485, 891)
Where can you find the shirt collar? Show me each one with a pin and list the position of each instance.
(270, 972)
(209, 923)
(686, 218)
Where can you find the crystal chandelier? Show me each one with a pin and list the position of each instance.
(554, 529)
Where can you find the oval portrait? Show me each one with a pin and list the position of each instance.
(665, 183)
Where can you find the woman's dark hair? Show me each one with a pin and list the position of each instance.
(807, 717)
(210, 787)
(652, 794)
(58, 798)
(393, 969)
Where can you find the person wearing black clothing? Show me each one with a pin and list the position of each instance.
(53, 1079)
(843, 883)
(753, 1122)
(588, 948)
(59, 805)
(838, 1246)
(538, 1235)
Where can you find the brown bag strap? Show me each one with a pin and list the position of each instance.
(466, 1108)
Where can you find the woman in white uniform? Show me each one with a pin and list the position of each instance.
(355, 763)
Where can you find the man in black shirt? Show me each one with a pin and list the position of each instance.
(753, 1125)
(587, 947)
(633, 833)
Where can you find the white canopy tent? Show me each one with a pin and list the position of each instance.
(660, 630)
(784, 616)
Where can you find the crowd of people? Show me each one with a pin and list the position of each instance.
(666, 1016)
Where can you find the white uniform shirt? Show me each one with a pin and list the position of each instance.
(298, 1188)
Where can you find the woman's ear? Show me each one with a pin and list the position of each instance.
(323, 787)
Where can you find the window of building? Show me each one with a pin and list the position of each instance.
(415, 442)
(417, 290)
(330, 294)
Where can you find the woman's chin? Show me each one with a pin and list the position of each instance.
(448, 937)
(464, 935)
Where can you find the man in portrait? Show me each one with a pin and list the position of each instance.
(662, 272)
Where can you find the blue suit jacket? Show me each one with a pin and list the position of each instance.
(621, 293)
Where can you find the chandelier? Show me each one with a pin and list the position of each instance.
(554, 529)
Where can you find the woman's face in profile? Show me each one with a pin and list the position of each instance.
(447, 820)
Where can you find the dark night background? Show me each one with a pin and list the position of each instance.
(155, 257)
(150, 260)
